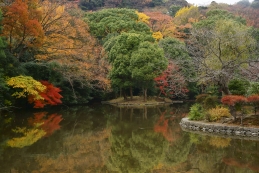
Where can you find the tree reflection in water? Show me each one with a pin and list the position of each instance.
(39, 126)
(123, 140)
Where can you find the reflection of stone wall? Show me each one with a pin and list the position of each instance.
(220, 129)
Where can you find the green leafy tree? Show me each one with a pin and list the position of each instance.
(213, 16)
(253, 89)
(120, 50)
(147, 63)
(221, 47)
(176, 51)
(238, 86)
(114, 20)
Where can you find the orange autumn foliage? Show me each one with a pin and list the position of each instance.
(69, 43)
(50, 94)
(21, 26)
(160, 22)
(253, 99)
(232, 100)
(49, 123)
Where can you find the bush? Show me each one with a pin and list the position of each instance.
(218, 112)
(196, 112)
(238, 86)
(253, 89)
(210, 102)
(201, 97)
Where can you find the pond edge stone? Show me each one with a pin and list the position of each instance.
(218, 128)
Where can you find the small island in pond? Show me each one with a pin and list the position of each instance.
(138, 101)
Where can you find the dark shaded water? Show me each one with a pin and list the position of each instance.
(106, 139)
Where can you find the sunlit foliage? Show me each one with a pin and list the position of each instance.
(27, 85)
(157, 35)
(217, 113)
(143, 17)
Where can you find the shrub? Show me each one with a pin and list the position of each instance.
(238, 86)
(210, 102)
(196, 112)
(212, 90)
(218, 112)
(253, 89)
(201, 97)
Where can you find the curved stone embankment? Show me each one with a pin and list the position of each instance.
(220, 129)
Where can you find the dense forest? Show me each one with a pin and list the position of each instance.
(72, 52)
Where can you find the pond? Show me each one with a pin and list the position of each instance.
(107, 139)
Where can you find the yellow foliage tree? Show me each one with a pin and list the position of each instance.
(28, 86)
(143, 17)
(157, 35)
(186, 15)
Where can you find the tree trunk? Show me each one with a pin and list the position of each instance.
(159, 94)
(72, 87)
(225, 90)
(124, 95)
(145, 94)
(131, 93)
(232, 111)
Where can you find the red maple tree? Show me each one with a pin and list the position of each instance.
(50, 94)
(232, 101)
(171, 82)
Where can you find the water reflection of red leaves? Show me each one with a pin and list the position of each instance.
(161, 126)
(50, 123)
(236, 163)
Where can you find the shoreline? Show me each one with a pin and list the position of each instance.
(138, 102)
(219, 129)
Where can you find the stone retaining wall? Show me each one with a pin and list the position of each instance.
(220, 129)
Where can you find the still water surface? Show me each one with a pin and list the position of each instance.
(106, 139)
